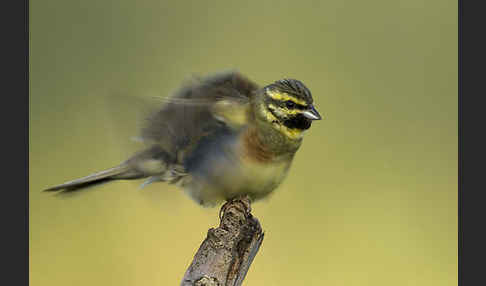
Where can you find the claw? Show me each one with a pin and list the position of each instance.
(242, 206)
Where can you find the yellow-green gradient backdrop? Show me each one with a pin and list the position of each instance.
(372, 195)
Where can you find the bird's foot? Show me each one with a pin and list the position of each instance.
(241, 203)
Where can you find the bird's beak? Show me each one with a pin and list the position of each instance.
(312, 113)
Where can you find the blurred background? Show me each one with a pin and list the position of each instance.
(371, 198)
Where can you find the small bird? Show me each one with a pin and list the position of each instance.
(218, 138)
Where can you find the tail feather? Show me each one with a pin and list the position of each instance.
(123, 171)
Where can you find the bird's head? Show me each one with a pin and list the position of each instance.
(287, 105)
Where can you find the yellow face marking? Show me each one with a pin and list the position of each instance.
(290, 133)
(283, 111)
(279, 111)
(284, 97)
(293, 111)
(268, 115)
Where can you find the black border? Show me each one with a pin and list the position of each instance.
(14, 210)
(471, 204)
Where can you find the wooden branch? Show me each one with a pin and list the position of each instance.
(224, 257)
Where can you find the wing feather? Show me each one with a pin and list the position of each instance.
(198, 109)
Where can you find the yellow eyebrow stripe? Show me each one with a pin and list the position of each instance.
(284, 96)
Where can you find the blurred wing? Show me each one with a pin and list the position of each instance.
(125, 115)
(198, 109)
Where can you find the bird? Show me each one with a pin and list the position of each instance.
(218, 137)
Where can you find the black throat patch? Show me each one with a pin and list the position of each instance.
(298, 122)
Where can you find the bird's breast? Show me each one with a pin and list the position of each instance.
(237, 165)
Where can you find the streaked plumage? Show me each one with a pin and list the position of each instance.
(218, 138)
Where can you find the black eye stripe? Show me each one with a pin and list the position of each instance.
(283, 103)
(294, 105)
(290, 104)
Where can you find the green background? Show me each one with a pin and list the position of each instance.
(371, 198)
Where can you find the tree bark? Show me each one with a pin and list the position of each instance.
(224, 257)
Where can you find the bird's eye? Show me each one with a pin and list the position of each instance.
(289, 104)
